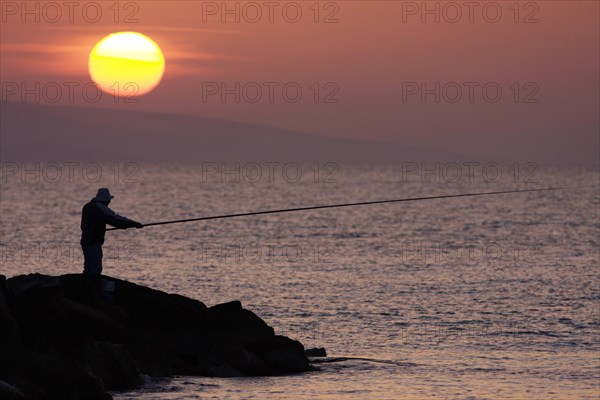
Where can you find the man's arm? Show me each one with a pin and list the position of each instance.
(116, 220)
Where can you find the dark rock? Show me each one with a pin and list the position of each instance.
(9, 392)
(164, 312)
(3, 287)
(9, 331)
(22, 283)
(81, 288)
(44, 324)
(232, 318)
(282, 354)
(316, 352)
(94, 324)
(114, 365)
(48, 375)
(245, 362)
(74, 337)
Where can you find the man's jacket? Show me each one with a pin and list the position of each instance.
(94, 218)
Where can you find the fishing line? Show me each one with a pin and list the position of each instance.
(363, 203)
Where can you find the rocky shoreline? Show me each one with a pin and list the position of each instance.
(74, 337)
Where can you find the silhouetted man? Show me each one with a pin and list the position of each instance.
(94, 217)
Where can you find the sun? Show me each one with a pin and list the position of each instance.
(127, 64)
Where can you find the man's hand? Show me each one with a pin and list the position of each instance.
(138, 225)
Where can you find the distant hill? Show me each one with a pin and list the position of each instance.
(31, 132)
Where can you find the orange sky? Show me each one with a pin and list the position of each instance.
(370, 54)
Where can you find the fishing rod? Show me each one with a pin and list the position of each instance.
(363, 203)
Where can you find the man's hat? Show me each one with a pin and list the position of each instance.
(103, 195)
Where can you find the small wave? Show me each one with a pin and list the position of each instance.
(325, 360)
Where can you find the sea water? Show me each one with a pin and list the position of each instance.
(481, 298)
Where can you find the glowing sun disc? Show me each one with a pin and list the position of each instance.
(127, 64)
